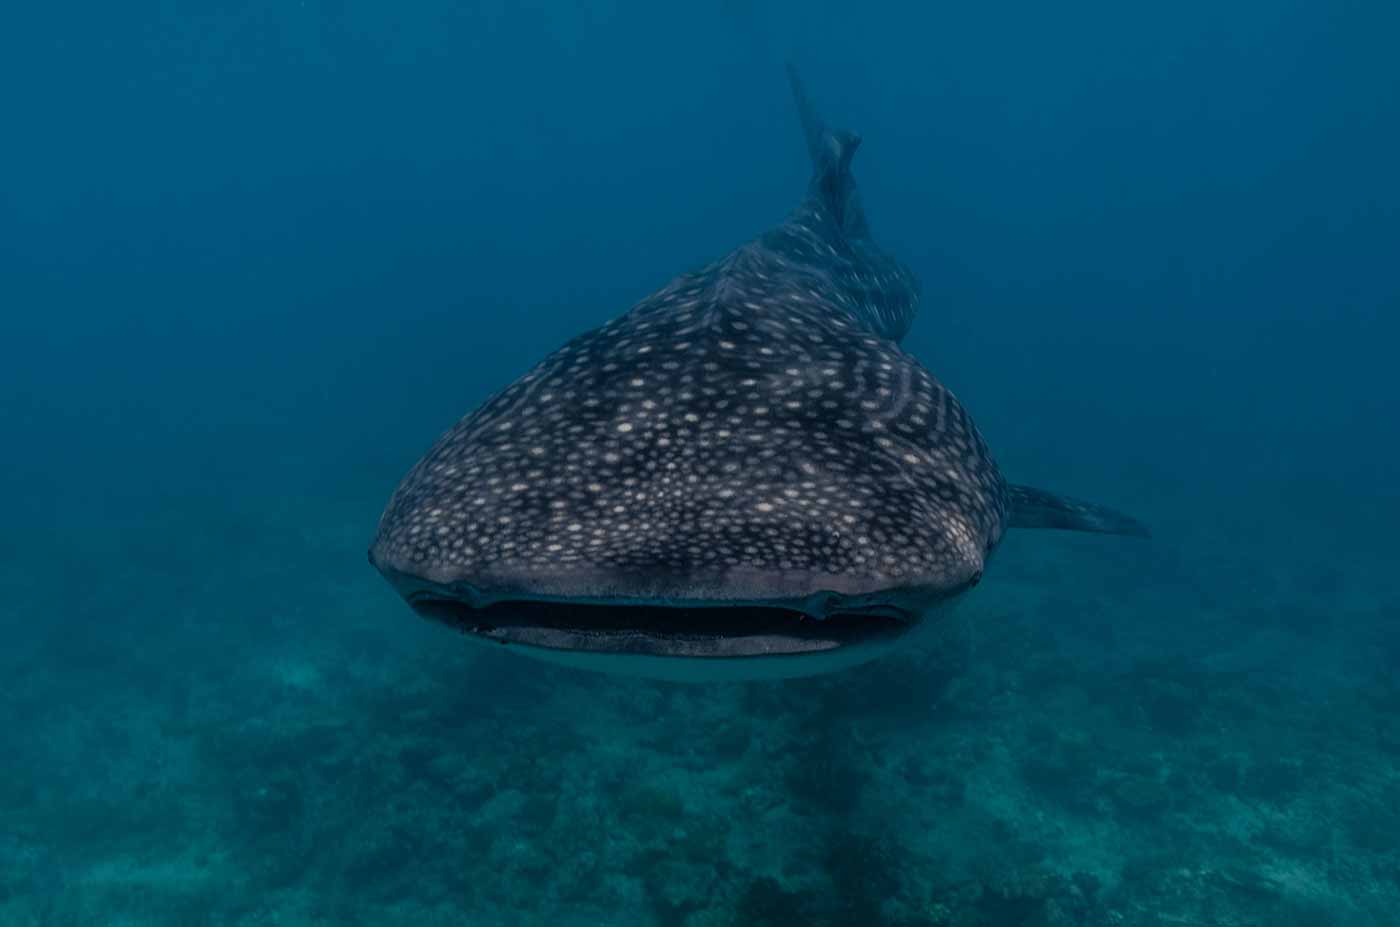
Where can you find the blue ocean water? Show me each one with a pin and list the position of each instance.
(255, 257)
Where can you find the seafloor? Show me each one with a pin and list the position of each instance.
(218, 714)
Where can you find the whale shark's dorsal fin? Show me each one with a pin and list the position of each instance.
(831, 151)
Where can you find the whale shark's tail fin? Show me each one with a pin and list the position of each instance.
(1036, 508)
(831, 151)
(812, 126)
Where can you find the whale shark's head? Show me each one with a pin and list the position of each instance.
(700, 488)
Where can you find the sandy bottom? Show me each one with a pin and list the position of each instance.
(250, 729)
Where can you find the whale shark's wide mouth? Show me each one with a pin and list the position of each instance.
(720, 629)
(667, 627)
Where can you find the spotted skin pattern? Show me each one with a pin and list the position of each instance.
(751, 431)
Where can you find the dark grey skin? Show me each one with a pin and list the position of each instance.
(742, 476)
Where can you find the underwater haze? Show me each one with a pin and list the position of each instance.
(256, 257)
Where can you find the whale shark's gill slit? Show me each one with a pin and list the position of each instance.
(692, 624)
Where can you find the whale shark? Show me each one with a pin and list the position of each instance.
(742, 476)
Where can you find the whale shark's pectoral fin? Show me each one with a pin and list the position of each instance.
(1036, 508)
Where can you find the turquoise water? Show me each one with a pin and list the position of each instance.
(255, 258)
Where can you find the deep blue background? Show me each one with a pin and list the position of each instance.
(263, 250)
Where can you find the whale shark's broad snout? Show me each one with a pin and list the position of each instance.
(750, 618)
